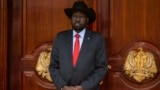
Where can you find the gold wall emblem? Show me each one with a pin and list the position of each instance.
(42, 66)
(140, 65)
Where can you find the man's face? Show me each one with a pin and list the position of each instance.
(79, 21)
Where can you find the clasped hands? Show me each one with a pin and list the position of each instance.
(78, 87)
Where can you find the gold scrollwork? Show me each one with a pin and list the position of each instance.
(140, 65)
(43, 62)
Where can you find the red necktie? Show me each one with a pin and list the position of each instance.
(76, 49)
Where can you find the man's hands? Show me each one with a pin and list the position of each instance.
(67, 88)
(78, 87)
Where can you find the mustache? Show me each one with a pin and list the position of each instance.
(77, 22)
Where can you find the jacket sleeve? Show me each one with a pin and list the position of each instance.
(99, 73)
(54, 66)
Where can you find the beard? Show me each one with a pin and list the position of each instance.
(78, 27)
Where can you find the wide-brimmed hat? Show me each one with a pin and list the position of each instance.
(81, 6)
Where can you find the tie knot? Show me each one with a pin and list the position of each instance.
(77, 35)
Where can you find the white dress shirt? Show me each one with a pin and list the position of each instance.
(82, 33)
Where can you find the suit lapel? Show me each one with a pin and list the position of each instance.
(69, 39)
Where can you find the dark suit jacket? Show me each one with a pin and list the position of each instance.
(91, 66)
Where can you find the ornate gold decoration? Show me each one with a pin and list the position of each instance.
(42, 66)
(140, 65)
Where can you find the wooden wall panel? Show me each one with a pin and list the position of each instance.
(14, 44)
(152, 21)
(42, 21)
(31, 24)
(34, 22)
(133, 20)
(118, 79)
(32, 82)
(118, 82)
(102, 26)
(3, 45)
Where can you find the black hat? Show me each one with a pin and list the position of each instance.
(81, 6)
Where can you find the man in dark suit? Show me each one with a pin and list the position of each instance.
(78, 58)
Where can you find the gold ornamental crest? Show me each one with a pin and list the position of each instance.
(140, 65)
(43, 62)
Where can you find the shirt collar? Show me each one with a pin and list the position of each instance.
(80, 33)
